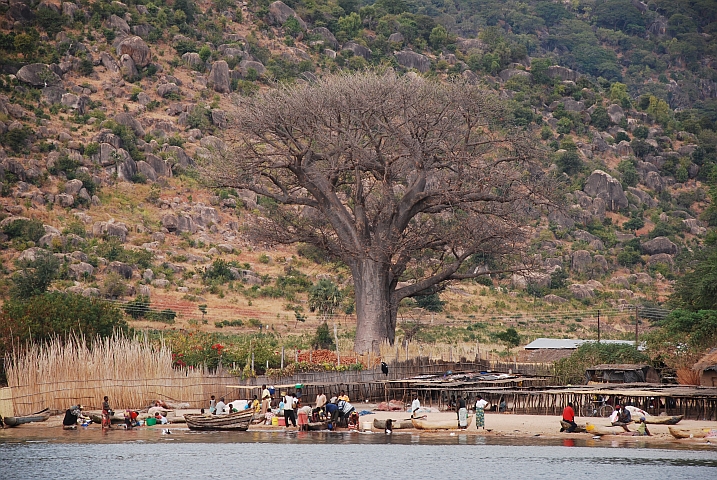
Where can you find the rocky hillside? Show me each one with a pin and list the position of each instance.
(106, 106)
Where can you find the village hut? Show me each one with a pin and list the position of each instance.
(621, 373)
(706, 367)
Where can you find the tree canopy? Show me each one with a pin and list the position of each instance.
(403, 179)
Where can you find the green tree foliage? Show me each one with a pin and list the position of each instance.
(571, 370)
(204, 53)
(697, 289)
(552, 13)
(324, 297)
(431, 302)
(137, 308)
(569, 162)
(510, 337)
(323, 338)
(45, 316)
(218, 272)
(24, 230)
(600, 119)
(683, 337)
(34, 277)
(351, 24)
(439, 37)
(629, 173)
(628, 257)
(619, 15)
(292, 26)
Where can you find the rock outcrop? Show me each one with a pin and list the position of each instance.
(603, 185)
(279, 13)
(219, 77)
(411, 59)
(38, 75)
(135, 47)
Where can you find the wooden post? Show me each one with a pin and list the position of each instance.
(599, 327)
(282, 357)
(637, 322)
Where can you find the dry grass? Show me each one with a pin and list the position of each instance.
(688, 376)
(131, 372)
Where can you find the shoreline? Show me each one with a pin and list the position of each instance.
(498, 426)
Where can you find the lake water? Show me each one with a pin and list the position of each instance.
(148, 453)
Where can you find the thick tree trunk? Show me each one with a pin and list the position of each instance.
(376, 316)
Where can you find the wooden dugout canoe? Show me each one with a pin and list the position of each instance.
(238, 421)
(603, 430)
(40, 416)
(691, 432)
(421, 424)
(674, 420)
(397, 424)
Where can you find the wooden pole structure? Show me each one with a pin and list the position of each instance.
(637, 322)
(598, 326)
(282, 357)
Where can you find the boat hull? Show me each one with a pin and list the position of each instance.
(663, 420)
(397, 424)
(438, 424)
(40, 416)
(229, 422)
(689, 432)
(602, 430)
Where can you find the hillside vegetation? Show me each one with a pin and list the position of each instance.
(106, 108)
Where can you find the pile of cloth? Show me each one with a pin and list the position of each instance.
(391, 406)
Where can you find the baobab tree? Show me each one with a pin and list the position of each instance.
(412, 183)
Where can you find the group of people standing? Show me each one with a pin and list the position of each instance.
(291, 406)
(461, 410)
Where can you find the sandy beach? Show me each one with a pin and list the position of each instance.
(497, 425)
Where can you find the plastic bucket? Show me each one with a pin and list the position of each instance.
(151, 421)
(366, 426)
(280, 421)
(274, 421)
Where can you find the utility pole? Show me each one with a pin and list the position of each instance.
(598, 326)
(637, 322)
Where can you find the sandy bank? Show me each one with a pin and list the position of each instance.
(497, 425)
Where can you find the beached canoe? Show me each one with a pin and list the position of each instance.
(674, 420)
(116, 419)
(603, 430)
(40, 416)
(238, 421)
(397, 424)
(565, 425)
(691, 432)
(422, 424)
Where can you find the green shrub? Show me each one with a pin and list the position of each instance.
(34, 277)
(138, 307)
(25, 230)
(16, 139)
(45, 316)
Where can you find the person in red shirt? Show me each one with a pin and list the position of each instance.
(569, 417)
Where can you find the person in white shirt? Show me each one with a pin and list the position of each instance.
(480, 412)
(289, 413)
(416, 404)
(320, 403)
(220, 407)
